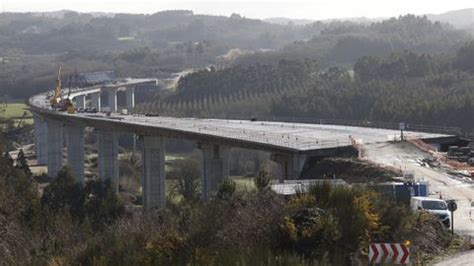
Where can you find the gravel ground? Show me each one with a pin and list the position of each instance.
(407, 157)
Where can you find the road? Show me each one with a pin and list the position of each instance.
(406, 157)
(461, 259)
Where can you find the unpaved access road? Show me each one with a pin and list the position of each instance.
(407, 157)
(461, 259)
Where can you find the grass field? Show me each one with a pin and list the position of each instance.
(243, 183)
(15, 111)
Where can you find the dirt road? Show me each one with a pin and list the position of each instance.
(461, 259)
(407, 157)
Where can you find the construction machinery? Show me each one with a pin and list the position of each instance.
(57, 101)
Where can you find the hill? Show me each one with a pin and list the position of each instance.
(462, 19)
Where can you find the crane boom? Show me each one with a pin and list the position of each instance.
(57, 102)
(57, 90)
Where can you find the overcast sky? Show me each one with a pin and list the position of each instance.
(310, 9)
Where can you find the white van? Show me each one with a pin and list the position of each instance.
(434, 206)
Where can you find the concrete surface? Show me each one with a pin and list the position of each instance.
(76, 151)
(215, 167)
(55, 147)
(154, 195)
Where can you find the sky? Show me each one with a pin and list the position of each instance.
(307, 9)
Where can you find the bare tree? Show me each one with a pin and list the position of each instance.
(186, 174)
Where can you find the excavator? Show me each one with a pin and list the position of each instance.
(57, 101)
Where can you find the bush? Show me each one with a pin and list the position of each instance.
(64, 194)
(262, 179)
(226, 190)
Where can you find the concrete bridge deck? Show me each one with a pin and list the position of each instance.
(271, 136)
(291, 144)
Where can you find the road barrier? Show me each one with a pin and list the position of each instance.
(390, 253)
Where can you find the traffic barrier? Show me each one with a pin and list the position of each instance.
(393, 253)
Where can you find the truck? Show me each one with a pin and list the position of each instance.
(437, 207)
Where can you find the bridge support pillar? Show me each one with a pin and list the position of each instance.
(80, 101)
(153, 172)
(108, 157)
(55, 147)
(95, 101)
(41, 140)
(215, 167)
(75, 151)
(112, 94)
(291, 165)
(130, 99)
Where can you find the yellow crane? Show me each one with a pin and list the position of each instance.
(57, 102)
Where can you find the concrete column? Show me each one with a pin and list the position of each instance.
(112, 94)
(291, 165)
(154, 194)
(215, 167)
(55, 147)
(80, 101)
(95, 101)
(75, 151)
(41, 140)
(108, 156)
(130, 98)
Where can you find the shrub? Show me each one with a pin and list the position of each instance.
(63, 194)
(262, 179)
(226, 190)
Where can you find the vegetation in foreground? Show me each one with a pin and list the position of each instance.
(72, 224)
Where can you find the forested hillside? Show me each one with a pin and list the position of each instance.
(406, 86)
(33, 45)
(342, 43)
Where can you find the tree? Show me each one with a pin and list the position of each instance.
(465, 57)
(186, 174)
(262, 179)
(63, 194)
(101, 205)
(22, 164)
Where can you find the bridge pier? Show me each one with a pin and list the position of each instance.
(41, 141)
(291, 165)
(80, 101)
(75, 151)
(55, 147)
(153, 185)
(130, 99)
(112, 96)
(108, 156)
(215, 167)
(95, 101)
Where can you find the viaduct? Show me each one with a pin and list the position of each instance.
(291, 144)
